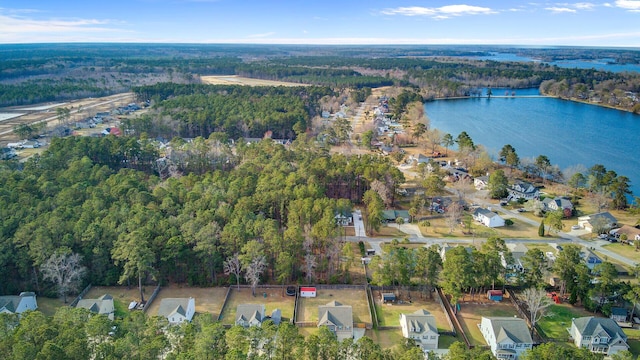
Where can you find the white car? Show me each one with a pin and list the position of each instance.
(576, 227)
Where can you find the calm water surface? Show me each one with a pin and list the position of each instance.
(601, 64)
(568, 133)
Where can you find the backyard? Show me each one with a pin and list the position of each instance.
(356, 298)
(208, 300)
(389, 314)
(471, 313)
(272, 298)
(558, 319)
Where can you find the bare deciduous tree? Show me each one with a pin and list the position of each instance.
(309, 267)
(65, 270)
(232, 266)
(383, 190)
(537, 301)
(454, 213)
(253, 271)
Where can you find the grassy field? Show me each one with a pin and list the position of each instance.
(389, 314)
(470, 315)
(385, 338)
(121, 296)
(49, 306)
(558, 320)
(208, 300)
(275, 299)
(627, 251)
(238, 80)
(308, 307)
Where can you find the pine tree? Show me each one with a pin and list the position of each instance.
(541, 229)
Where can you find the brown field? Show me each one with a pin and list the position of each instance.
(120, 293)
(238, 80)
(389, 314)
(208, 300)
(276, 299)
(470, 315)
(308, 307)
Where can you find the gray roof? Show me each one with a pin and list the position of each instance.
(11, 302)
(486, 212)
(169, 306)
(419, 322)
(605, 215)
(250, 312)
(101, 305)
(592, 326)
(561, 203)
(334, 313)
(510, 328)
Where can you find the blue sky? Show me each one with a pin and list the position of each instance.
(612, 23)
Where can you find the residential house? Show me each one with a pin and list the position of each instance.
(590, 258)
(602, 220)
(102, 305)
(344, 218)
(177, 310)
(488, 218)
(338, 318)
(558, 203)
(517, 252)
(12, 304)
(522, 190)
(599, 335)
(618, 315)
(421, 327)
(630, 232)
(481, 182)
(392, 215)
(444, 249)
(250, 314)
(507, 337)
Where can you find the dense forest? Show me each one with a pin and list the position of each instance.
(78, 70)
(100, 198)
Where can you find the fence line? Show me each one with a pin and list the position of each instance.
(444, 310)
(151, 298)
(224, 303)
(454, 318)
(372, 308)
(80, 296)
(524, 313)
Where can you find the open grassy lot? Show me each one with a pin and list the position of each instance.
(389, 314)
(558, 320)
(627, 251)
(275, 299)
(385, 338)
(308, 307)
(238, 80)
(470, 315)
(208, 300)
(49, 306)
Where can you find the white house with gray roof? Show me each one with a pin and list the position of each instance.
(488, 218)
(599, 335)
(13, 304)
(558, 203)
(102, 305)
(338, 318)
(421, 327)
(602, 220)
(523, 190)
(250, 314)
(507, 337)
(177, 310)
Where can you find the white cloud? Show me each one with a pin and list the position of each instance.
(442, 12)
(558, 10)
(584, 6)
(631, 5)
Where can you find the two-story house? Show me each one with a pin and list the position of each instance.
(488, 218)
(338, 318)
(102, 305)
(250, 314)
(523, 190)
(507, 337)
(421, 327)
(599, 335)
(177, 310)
(12, 304)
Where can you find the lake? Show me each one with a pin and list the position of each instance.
(600, 64)
(568, 133)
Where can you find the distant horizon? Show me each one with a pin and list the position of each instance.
(330, 22)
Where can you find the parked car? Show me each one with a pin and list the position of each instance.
(521, 210)
(576, 227)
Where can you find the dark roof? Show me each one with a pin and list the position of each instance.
(619, 311)
(334, 313)
(510, 328)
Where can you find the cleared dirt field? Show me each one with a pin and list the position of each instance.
(208, 300)
(389, 314)
(308, 307)
(238, 80)
(275, 299)
(470, 315)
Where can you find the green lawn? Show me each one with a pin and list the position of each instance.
(558, 320)
(48, 306)
(627, 251)
(470, 315)
(634, 347)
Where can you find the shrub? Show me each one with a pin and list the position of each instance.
(508, 222)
